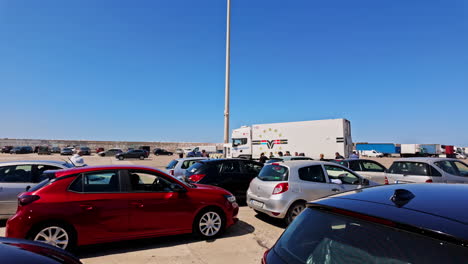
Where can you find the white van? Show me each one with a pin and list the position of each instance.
(371, 153)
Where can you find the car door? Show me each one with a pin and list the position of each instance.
(372, 170)
(408, 172)
(231, 178)
(97, 199)
(452, 171)
(312, 183)
(342, 179)
(250, 170)
(13, 180)
(155, 208)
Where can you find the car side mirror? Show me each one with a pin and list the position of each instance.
(177, 188)
(365, 182)
(28, 187)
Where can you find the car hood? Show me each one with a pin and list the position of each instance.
(205, 187)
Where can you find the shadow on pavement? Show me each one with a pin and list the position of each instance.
(98, 250)
(271, 220)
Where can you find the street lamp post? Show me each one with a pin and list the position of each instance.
(227, 81)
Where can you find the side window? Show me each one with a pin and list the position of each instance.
(340, 175)
(97, 182)
(354, 165)
(142, 181)
(230, 167)
(312, 174)
(462, 168)
(416, 168)
(20, 173)
(446, 166)
(251, 167)
(372, 166)
(434, 171)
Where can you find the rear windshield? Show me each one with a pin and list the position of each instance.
(39, 185)
(338, 239)
(171, 164)
(274, 173)
(195, 168)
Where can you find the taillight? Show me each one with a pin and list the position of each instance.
(429, 181)
(386, 180)
(197, 177)
(27, 199)
(281, 188)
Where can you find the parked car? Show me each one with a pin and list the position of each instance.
(133, 154)
(371, 153)
(421, 170)
(20, 251)
(178, 167)
(179, 151)
(66, 151)
(460, 156)
(159, 151)
(6, 149)
(91, 205)
(18, 176)
(84, 151)
(21, 150)
(98, 150)
(371, 170)
(43, 150)
(281, 190)
(287, 158)
(110, 152)
(233, 175)
(408, 223)
(55, 150)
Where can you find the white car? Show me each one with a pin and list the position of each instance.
(461, 156)
(372, 153)
(371, 170)
(177, 167)
(421, 170)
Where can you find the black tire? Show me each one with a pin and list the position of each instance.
(157, 154)
(66, 229)
(295, 209)
(121, 157)
(142, 157)
(202, 217)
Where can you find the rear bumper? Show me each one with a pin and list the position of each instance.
(277, 207)
(17, 227)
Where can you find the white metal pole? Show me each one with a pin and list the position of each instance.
(227, 81)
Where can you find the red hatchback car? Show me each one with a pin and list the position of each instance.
(91, 205)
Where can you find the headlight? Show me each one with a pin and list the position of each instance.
(230, 198)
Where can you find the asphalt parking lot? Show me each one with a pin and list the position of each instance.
(243, 243)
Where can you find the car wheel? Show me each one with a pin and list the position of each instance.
(157, 154)
(121, 158)
(294, 211)
(209, 224)
(142, 157)
(54, 234)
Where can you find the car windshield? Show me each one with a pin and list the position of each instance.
(335, 238)
(171, 164)
(39, 185)
(194, 168)
(68, 165)
(273, 173)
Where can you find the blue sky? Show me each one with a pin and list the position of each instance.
(154, 70)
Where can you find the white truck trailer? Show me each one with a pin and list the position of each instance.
(309, 137)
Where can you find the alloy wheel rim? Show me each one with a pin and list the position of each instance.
(210, 224)
(53, 235)
(297, 210)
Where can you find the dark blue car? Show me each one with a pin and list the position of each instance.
(403, 223)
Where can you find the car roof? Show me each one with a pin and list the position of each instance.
(302, 163)
(227, 159)
(431, 208)
(192, 158)
(77, 170)
(35, 162)
(424, 159)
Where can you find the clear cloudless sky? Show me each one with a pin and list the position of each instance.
(154, 70)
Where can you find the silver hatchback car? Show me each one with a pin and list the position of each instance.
(281, 190)
(17, 176)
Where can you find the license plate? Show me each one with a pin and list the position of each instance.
(256, 203)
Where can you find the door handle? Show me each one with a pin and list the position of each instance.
(335, 190)
(137, 204)
(87, 207)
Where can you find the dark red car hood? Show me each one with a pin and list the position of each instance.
(205, 187)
